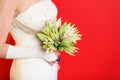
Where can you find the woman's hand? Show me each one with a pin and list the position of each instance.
(51, 63)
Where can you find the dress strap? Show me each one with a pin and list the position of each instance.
(26, 29)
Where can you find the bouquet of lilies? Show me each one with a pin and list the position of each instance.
(57, 36)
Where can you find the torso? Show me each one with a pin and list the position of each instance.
(34, 15)
(23, 5)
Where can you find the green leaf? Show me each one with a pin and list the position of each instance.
(42, 36)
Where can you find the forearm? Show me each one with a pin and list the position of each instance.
(14, 52)
(3, 50)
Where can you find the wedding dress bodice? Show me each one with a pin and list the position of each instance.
(34, 17)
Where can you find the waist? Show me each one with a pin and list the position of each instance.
(28, 43)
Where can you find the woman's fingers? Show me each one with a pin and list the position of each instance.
(51, 62)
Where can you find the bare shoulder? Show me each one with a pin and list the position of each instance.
(9, 3)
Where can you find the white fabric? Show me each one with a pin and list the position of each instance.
(24, 52)
(35, 17)
(15, 52)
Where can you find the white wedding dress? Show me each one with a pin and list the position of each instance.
(34, 17)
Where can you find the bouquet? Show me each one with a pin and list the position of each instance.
(59, 37)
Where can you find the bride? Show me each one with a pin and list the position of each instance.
(22, 18)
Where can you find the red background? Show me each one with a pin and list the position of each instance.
(98, 57)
